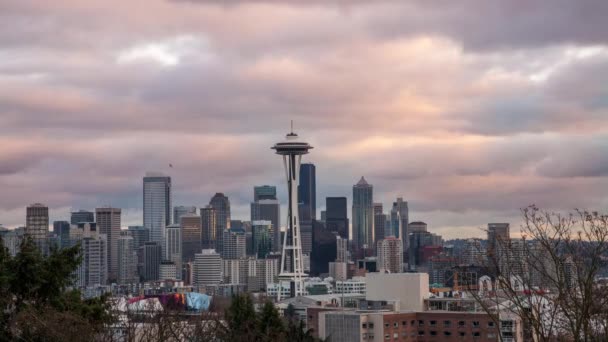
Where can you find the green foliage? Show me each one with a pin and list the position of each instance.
(35, 299)
(241, 320)
(271, 326)
(296, 331)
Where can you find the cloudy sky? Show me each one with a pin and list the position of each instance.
(468, 109)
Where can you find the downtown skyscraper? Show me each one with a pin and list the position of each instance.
(399, 223)
(157, 205)
(266, 207)
(363, 216)
(108, 223)
(221, 204)
(37, 222)
(307, 192)
(336, 216)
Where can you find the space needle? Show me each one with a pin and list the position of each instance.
(292, 150)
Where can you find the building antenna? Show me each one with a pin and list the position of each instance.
(292, 126)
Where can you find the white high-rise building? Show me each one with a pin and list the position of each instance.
(173, 247)
(93, 270)
(341, 249)
(390, 255)
(157, 206)
(127, 260)
(207, 268)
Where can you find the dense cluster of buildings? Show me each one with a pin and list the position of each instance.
(373, 276)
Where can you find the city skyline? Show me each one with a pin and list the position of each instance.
(440, 113)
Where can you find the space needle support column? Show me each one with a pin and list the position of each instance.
(292, 151)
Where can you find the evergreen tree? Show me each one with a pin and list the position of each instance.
(271, 325)
(297, 332)
(35, 299)
(241, 320)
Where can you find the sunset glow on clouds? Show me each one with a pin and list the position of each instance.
(469, 110)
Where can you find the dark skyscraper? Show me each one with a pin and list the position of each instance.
(221, 204)
(336, 219)
(307, 192)
(62, 230)
(208, 228)
(379, 223)
(152, 258)
(192, 236)
(324, 248)
(82, 216)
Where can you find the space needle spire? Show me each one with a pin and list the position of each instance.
(292, 269)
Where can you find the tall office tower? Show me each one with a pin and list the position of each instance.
(379, 223)
(264, 192)
(399, 218)
(208, 227)
(418, 241)
(207, 270)
(307, 192)
(341, 249)
(152, 255)
(157, 205)
(127, 260)
(323, 215)
(108, 223)
(174, 246)
(37, 223)
(235, 245)
(336, 217)
(323, 248)
(261, 238)
(192, 237)
(180, 211)
(363, 216)
(82, 216)
(62, 230)
(93, 270)
(292, 150)
(498, 235)
(266, 207)
(390, 255)
(221, 204)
